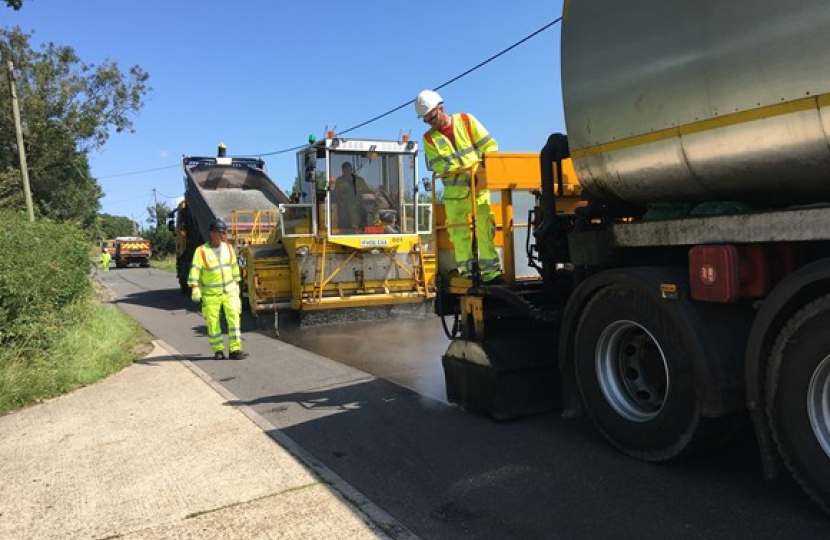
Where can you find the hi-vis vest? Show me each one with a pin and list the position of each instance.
(214, 276)
(471, 142)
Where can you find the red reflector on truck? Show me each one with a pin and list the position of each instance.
(714, 273)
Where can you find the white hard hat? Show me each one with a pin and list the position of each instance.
(426, 101)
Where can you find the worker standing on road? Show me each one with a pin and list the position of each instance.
(105, 259)
(454, 142)
(214, 280)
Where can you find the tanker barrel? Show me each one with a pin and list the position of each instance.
(732, 105)
(222, 150)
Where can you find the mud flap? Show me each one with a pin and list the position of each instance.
(504, 378)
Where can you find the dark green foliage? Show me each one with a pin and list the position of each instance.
(44, 267)
(14, 4)
(68, 109)
(320, 182)
(110, 226)
(164, 243)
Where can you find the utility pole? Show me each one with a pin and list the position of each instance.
(156, 209)
(24, 169)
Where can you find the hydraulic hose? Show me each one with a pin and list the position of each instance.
(440, 291)
(555, 150)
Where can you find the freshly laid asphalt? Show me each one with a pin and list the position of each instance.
(155, 452)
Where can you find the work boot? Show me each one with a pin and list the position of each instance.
(457, 279)
(238, 355)
(219, 355)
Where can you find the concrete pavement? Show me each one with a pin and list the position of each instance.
(155, 452)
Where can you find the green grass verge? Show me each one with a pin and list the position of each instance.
(101, 340)
(168, 264)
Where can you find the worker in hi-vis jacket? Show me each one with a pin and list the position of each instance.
(453, 142)
(214, 281)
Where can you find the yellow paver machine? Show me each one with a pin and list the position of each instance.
(357, 234)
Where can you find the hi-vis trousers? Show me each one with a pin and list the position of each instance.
(212, 307)
(458, 207)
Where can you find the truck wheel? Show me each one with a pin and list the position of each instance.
(798, 398)
(183, 283)
(635, 373)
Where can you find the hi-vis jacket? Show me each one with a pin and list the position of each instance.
(214, 276)
(471, 142)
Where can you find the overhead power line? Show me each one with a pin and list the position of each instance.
(136, 197)
(168, 196)
(284, 151)
(138, 172)
(387, 113)
(128, 199)
(457, 77)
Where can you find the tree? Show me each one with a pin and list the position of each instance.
(15, 4)
(68, 109)
(110, 226)
(11, 190)
(300, 189)
(164, 243)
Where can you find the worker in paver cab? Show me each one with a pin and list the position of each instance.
(349, 191)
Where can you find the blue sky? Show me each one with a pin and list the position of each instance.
(261, 75)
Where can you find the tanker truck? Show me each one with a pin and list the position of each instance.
(679, 239)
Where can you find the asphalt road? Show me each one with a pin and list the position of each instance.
(370, 407)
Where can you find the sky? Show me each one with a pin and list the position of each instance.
(263, 75)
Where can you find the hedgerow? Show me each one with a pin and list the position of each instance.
(44, 267)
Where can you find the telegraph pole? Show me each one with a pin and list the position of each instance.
(156, 209)
(24, 169)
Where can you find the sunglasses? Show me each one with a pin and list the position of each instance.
(430, 118)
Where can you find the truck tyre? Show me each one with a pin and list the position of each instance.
(798, 398)
(635, 371)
